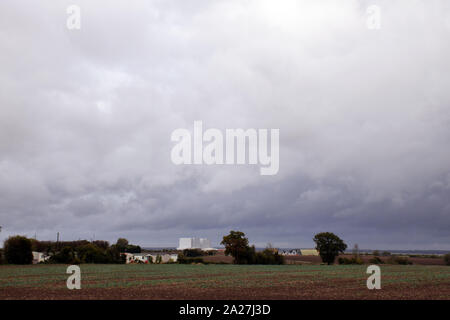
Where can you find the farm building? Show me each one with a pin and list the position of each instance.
(300, 252)
(309, 252)
(195, 243)
(289, 252)
(39, 257)
(145, 257)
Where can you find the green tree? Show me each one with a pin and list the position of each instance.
(236, 245)
(66, 255)
(447, 259)
(90, 253)
(122, 244)
(101, 244)
(133, 249)
(329, 246)
(18, 250)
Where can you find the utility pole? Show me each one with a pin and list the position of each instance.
(57, 237)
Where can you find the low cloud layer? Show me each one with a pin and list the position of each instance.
(364, 116)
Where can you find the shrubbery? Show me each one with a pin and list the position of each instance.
(268, 256)
(66, 255)
(447, 259)
(399, 260)
(188, 260)
(88, 253)
(352, 260)
(236, 245)
(376, 260)
(191, 253)
(83, 251)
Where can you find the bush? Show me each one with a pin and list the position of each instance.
(268, 256)
(192, 253)
(376, 253)
(447, 259)
(187, 260)
(18, 250)
(386, 253)
(376, 260)
(352, 260)
(400, 260)
(2, 260)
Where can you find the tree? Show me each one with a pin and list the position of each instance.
(236, 245)
(66, 255)
(18, 250)
(447, 259)
(329, 246)
(356, 251)
(133, 249)
(121, 244)
(101, 244)
(90, 253)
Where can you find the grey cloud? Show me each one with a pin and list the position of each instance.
(364, 119)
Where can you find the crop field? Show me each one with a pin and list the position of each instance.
(175, 281)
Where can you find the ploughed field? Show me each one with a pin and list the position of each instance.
(177, 281)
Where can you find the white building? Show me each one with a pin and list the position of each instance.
(195, 243)
(39, 257)
(145, 257)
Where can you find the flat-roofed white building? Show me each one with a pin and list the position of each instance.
(195, 243)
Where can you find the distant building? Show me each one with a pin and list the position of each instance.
(293, 252)
(309, 252)
(146, 257)
(301, 252)
(39, 257)
(195, 243)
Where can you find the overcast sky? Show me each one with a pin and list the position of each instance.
(364, 116)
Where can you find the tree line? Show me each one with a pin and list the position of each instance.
(18, 250)
(236, 244)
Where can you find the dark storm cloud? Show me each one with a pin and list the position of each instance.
(364, 118)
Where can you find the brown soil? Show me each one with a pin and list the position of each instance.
(365, 258)
(168, 292)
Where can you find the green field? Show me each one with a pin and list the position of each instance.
(178, 281)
